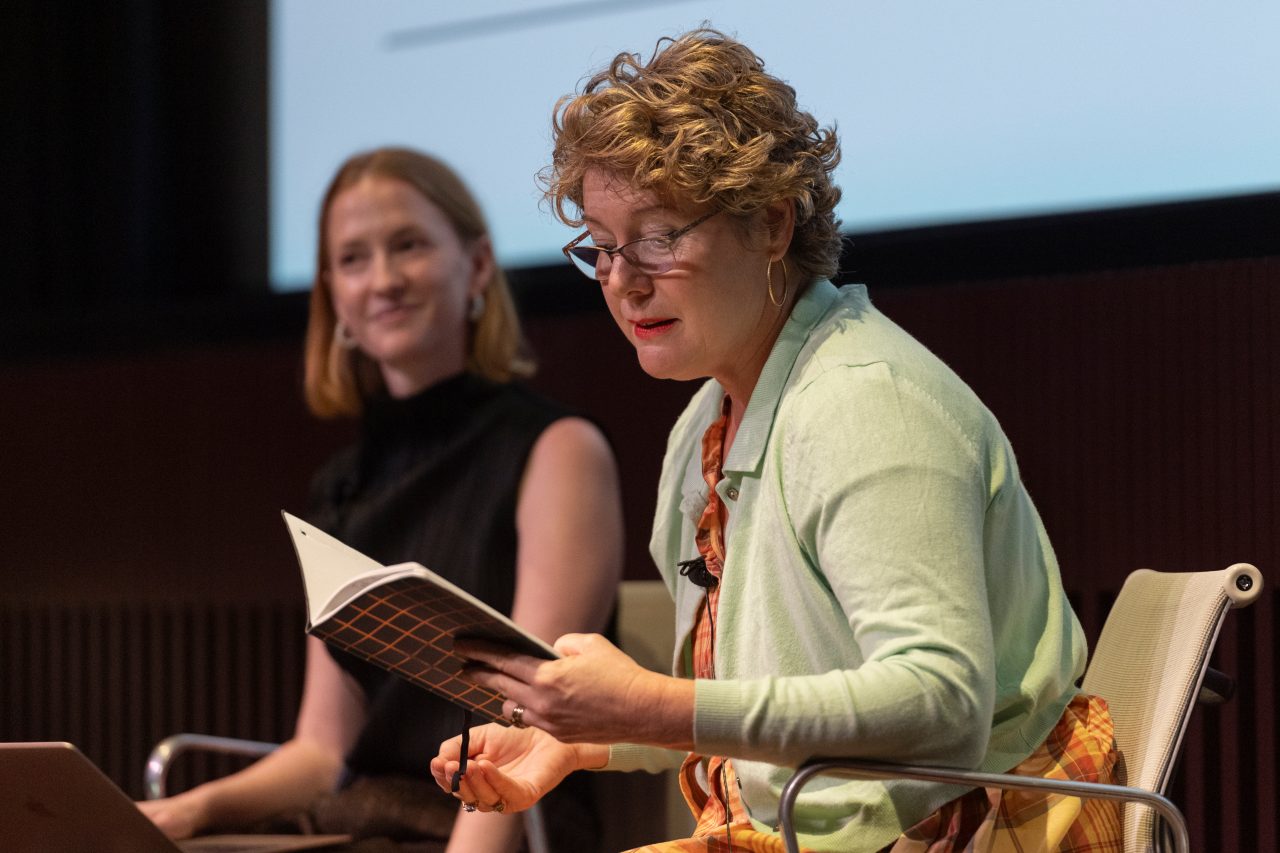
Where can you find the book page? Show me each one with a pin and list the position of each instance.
(328, 566)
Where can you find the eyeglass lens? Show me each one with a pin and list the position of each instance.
(590, 261)
(651, 257)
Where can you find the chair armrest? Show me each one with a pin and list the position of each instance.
(856, 769)
(1217, 687)
(156, 774)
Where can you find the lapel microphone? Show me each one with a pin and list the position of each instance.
(696, 570)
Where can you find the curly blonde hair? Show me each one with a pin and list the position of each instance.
(338, 381)
(702, 122)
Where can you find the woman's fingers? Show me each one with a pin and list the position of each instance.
(593, 694)
(441, 773)
(481, 790)
(499, 682)
(445, 777)
(514, 794)
(466, 792)
(575, 644)
(573, 698)
(451, 749)
(498, 658)
(485, 787)
(174, 820)
(446, 762)
(518, 715)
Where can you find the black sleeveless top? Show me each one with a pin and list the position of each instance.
(434, 479)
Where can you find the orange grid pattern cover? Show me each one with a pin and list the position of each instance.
(407, 626)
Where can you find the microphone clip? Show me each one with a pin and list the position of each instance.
(696, 571)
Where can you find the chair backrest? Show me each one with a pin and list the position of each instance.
(1149, 663)
(646, 623)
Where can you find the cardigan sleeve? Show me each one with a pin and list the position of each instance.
(884, 496)
(652, 759)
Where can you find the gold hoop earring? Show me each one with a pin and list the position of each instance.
(786, 285)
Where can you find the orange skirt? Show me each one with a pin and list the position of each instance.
(985, 820)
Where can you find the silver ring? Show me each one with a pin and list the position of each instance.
(517, 717)
(468, 807)
(499, 806)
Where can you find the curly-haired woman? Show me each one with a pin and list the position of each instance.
(856, 565)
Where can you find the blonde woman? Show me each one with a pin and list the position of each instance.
(459, 467)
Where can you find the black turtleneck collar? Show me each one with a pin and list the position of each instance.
(437, 407)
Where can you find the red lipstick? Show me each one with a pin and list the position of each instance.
(647, 328)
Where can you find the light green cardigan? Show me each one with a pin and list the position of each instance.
(889, 591)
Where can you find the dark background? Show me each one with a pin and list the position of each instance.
(153, 427)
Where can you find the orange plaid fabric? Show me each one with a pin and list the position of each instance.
(710, 541)
(1080, 747)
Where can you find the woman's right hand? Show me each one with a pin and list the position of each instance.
(516, 767)
(177, 817)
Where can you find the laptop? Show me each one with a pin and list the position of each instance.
(53, 799)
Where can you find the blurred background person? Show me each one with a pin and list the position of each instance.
(459, 467)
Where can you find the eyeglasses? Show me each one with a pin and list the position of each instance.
(648, 255)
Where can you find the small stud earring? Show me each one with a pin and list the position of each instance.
(342, 335)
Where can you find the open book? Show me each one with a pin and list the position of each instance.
(403, 618)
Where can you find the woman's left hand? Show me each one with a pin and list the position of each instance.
(595, 693)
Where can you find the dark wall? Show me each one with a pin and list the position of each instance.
(134, 151)
(1141, 403)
